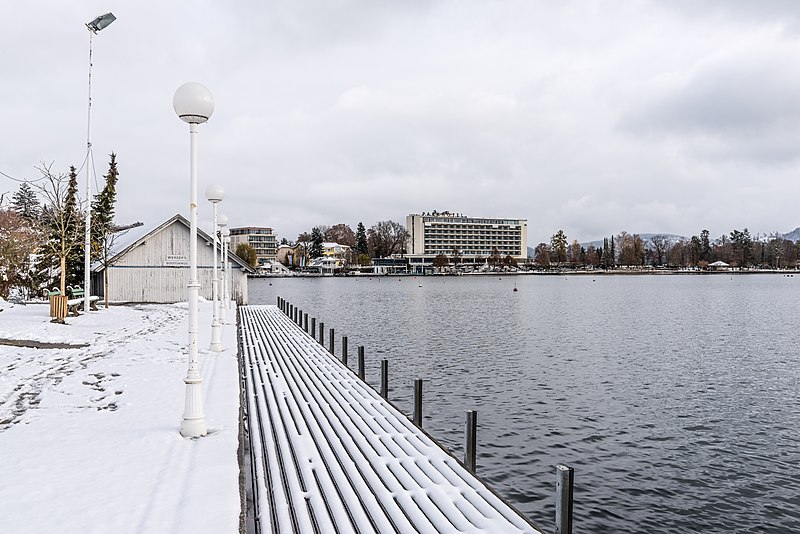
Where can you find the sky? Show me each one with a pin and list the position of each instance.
(592, 117)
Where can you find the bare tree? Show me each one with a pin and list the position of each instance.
(386, 238)
(342, 234)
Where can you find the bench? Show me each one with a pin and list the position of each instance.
(74, 304)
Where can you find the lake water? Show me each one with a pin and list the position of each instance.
(675, 398)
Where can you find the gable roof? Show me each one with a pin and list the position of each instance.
(137, 236)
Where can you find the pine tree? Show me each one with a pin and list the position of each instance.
(362, 246)
(103, 211)
(26, 203)
(316, 242)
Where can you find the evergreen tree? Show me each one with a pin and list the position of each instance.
(26, 203)
(362, 247)
(103, 211)
(316, 242)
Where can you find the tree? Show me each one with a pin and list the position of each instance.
(705, 246)
(62, 224)
(441, 261)
(103, 227)
(456, 252)
(541, 256)
(316, 242)
(26, 203)
(742, 245)
(248, 254)
(575, 253)
(342, 234)
(558, 247)
(361, 239)
(19, 239)
(660, 245)
(386, 238)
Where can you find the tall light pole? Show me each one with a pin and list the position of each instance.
(215, 194)
(95, 26)
(223, 222)
(194, 104)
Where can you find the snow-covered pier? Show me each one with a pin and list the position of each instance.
(329, 454)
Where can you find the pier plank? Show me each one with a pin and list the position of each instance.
(329, 454)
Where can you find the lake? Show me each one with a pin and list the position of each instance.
(676, 398)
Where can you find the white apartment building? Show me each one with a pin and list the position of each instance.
(473, 238)
(260, 238)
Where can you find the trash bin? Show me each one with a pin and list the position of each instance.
(58, 306)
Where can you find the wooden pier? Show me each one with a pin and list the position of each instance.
(329, 454)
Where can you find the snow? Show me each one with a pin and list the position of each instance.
(89, 437)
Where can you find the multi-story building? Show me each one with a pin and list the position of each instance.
(260, 238)
(469, 238)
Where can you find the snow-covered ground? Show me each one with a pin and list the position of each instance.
(89, 436)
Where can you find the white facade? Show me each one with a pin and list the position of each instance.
(432, 234)
(155, 267)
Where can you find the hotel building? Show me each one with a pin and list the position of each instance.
(474, 239)
(260, 238)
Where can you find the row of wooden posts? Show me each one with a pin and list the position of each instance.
(564, 474)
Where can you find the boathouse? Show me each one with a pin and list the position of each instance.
(153, 266)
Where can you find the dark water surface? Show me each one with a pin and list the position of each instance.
(675, 398)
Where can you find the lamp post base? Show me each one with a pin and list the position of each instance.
(194, 422)
(216, 336)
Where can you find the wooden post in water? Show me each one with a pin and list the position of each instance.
(470, 439)
(361, 362)
(344, 350)
(314, 327)
(290, 311)
(331, 342)
(385, 379)
(305, 322)
(565, 477)
(299, 319)
(322, 333)
(418, 402)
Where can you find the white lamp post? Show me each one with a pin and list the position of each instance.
(194, 104)
(223, 222)
(215, 194)
(227, 282)
(95, 26)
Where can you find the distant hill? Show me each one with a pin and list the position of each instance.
(794, 235)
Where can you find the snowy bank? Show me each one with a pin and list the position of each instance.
(89, 436)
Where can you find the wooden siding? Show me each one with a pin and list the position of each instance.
(151, 272)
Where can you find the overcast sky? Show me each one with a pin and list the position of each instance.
(587, 116)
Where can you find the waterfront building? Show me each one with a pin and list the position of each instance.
(149, 264)
(467, 239)
(260, 238)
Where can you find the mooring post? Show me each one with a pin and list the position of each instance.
(418, 402)
(290, 311)
(305, 322)
(344, 350)
(314, 327)
(470, 439)
(298, 320)
(322, 333)
(331, 342)
(565, 477)
(361, 362)
(385, 379)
